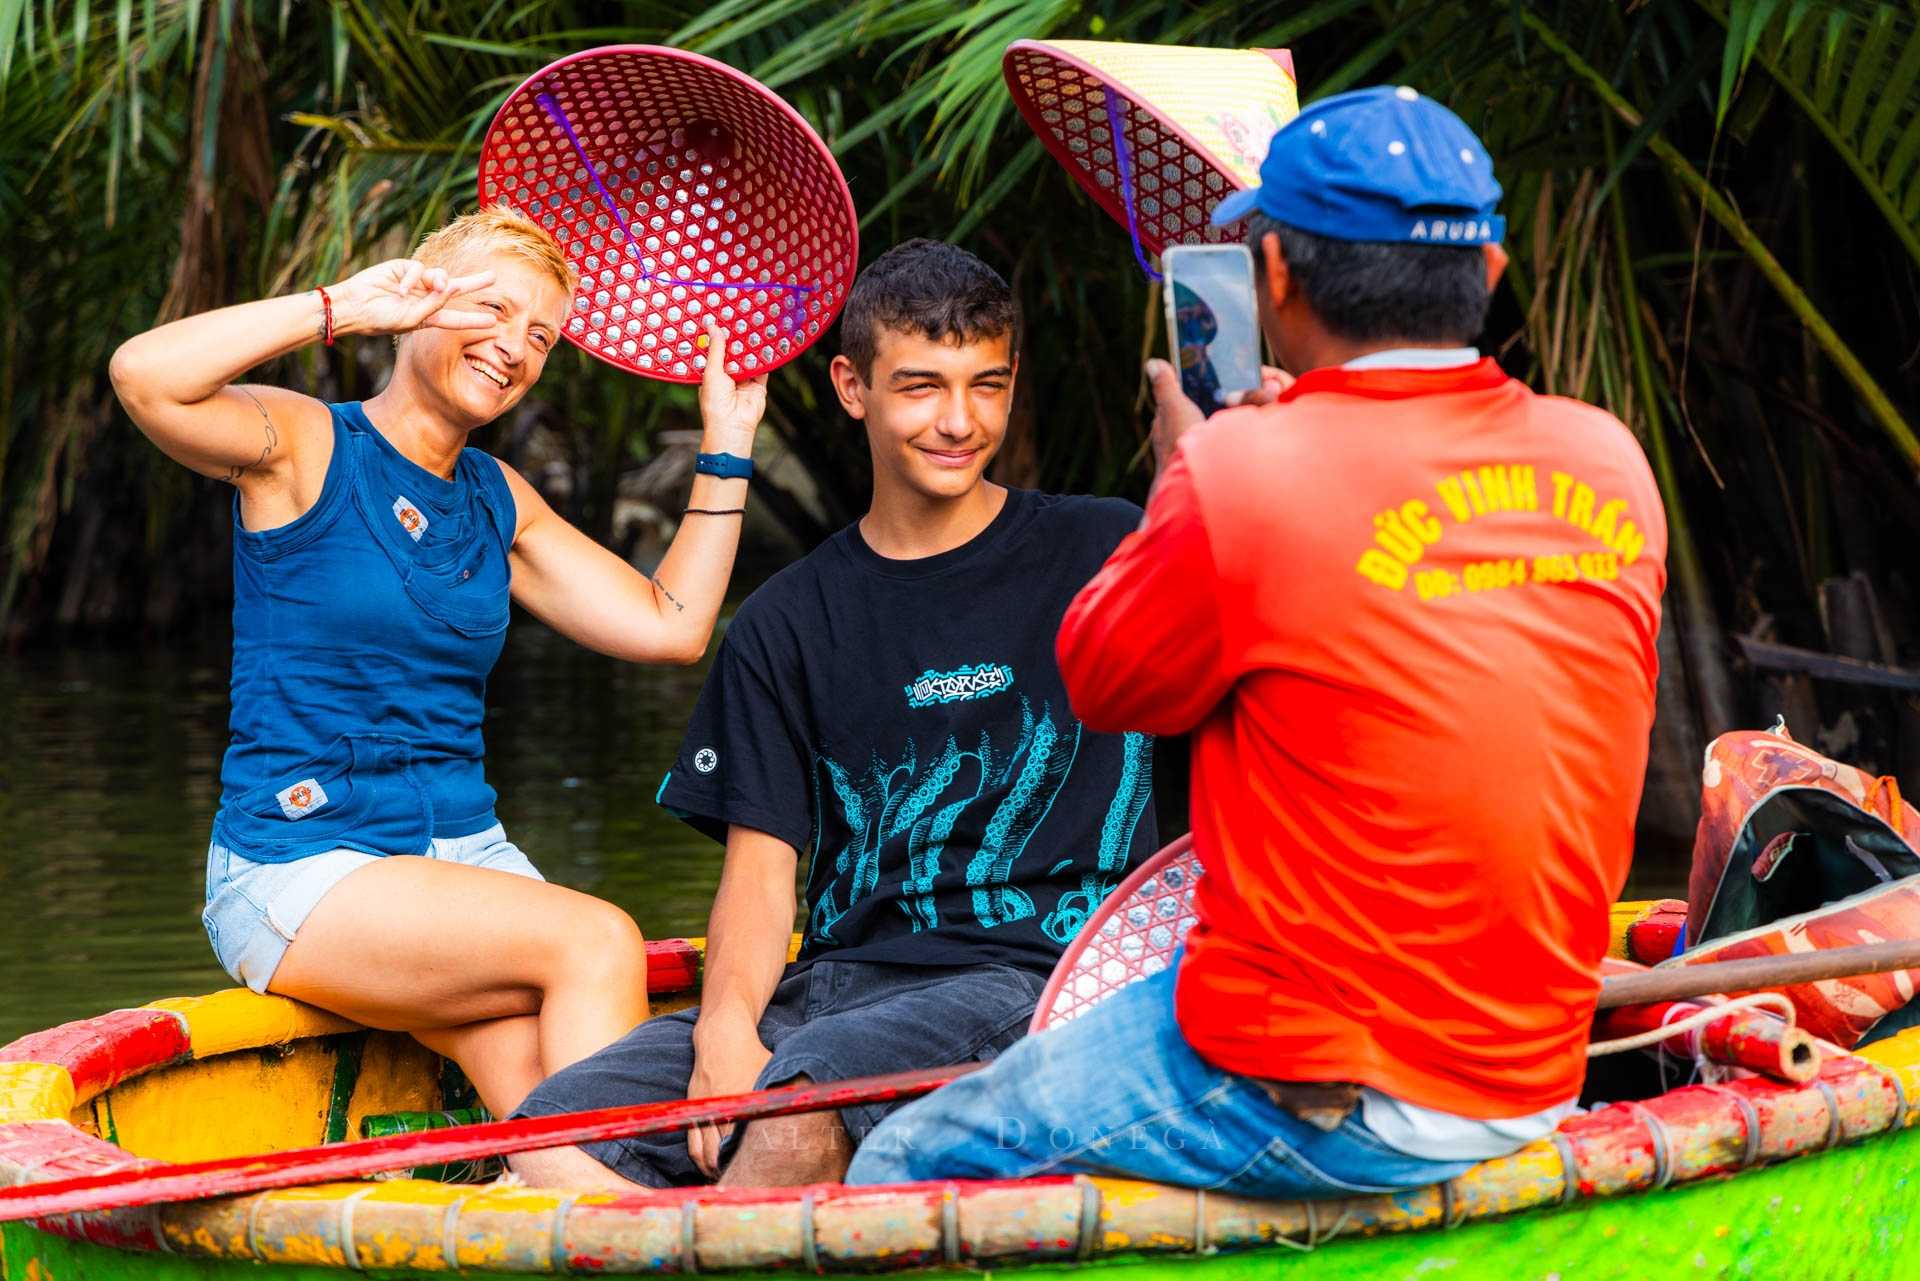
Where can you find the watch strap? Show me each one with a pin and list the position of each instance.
(725, 466)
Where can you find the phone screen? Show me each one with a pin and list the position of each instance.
(1211, 323)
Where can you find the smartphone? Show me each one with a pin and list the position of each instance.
(1212, 326)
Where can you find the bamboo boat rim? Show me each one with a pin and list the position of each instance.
(1675, 1138)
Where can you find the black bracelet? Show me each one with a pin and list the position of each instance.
(714, 511)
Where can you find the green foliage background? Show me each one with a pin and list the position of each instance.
(1714, 215)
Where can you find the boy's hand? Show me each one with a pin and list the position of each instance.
(727, 1057)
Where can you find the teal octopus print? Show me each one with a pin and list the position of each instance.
(1116, 840)
(924, 805)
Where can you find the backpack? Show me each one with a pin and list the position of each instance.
(1799, 853)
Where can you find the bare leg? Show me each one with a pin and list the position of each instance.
(500, 1056)
(417, 945)
(788, 1151)
(567, 1168)
(784, 1151)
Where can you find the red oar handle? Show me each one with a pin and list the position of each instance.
(227, 1176)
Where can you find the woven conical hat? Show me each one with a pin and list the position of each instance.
(1195, 124)
(679, 188)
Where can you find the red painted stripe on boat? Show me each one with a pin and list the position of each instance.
(56, 1150)
(39, 1150)
(673, 965)
(42, 1150)
(118, 1229)
(101, 1052)
(1651, 939)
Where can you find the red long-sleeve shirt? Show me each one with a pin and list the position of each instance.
(1410, 617)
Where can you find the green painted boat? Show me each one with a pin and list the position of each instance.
(1749, 1178)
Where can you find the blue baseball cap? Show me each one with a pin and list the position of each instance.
(1383, 164)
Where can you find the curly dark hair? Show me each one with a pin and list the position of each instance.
(926, 287)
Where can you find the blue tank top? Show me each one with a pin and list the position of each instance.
(363, 633)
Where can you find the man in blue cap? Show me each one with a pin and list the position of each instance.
(1408, 611)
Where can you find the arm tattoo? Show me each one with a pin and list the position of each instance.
(669, 595)
(273, 439)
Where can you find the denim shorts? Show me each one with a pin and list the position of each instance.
(828, 1021)
(254, 909)
(1118, 1091)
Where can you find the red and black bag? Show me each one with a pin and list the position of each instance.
(1799, 853)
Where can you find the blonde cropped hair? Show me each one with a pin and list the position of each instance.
(497, 229)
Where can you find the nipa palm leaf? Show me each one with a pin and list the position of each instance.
(1854, 70)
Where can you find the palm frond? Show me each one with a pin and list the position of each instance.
(1872, 395)
(338, 130)
(1856, 77)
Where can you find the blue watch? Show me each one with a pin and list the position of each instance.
(725, 466)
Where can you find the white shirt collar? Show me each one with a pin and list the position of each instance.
(1416, 358)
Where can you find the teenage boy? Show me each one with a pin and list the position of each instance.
(1408, 609)
(891, 708)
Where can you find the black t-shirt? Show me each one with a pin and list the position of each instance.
(902, 723)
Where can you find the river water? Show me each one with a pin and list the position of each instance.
(109, 771)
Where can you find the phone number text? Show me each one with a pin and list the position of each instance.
(1493, 575)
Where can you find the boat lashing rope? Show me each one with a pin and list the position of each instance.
(1773, 1001)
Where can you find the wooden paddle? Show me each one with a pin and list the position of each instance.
(123, 1189)
(1750, 974)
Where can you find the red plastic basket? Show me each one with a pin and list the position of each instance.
(678, 188)
(1134, 934)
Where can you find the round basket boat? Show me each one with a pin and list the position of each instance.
(1748, 1178)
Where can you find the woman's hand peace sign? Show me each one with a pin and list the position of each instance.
(402, 295)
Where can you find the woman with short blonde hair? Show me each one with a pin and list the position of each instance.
(356, 862)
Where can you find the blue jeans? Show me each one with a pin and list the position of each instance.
(828, 1021)
(1118, 1091)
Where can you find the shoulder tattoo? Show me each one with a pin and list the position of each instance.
(272, 439)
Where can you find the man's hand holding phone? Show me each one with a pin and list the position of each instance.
(1174, 414)
(1213, 331)
(1272, 383)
